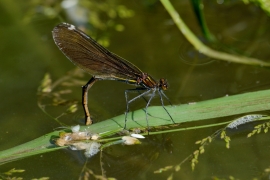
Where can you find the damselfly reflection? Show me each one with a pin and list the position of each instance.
(90, 56)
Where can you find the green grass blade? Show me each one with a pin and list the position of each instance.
(203, 48)
(220, 107)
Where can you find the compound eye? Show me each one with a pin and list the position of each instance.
(163, 84)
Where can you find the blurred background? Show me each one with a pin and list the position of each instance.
(143, 33)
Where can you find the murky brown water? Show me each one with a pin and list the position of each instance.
(152, 42)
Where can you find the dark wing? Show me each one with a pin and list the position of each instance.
(90, 56)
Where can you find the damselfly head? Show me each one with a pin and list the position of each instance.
(163, 84)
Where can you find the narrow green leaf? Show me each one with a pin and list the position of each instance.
(220, 107)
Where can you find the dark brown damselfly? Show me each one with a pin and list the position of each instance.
(87, 54)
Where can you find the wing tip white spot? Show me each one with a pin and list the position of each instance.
(71, 27)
